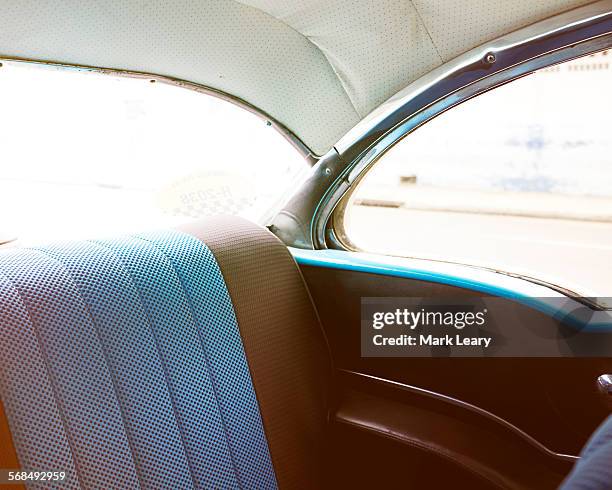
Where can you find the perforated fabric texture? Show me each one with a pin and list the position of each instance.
(25, 385)
(212, 307)
(79, 375)
(377, 47)
(222, 44)
(285, 346)
(122, 364)
(458, 25)
(316, 66)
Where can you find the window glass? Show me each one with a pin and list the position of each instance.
(86, 155)
(518, 179)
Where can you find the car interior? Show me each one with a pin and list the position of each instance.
(221, 353)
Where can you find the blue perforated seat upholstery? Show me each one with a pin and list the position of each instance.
(177, 359)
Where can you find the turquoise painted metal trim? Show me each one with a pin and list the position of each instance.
(540, 297)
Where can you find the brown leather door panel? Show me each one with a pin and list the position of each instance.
(553, 400)
(448, 433)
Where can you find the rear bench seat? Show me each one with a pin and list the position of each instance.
(180, 359)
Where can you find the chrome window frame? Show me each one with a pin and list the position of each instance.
(313, 217)
(289, 135)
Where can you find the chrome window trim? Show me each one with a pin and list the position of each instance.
(291, 137)
(305, 220)
(363, 135)
(578, 312)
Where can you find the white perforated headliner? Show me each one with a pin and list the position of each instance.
(316, 66)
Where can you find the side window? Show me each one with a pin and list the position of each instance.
(86, 155)
(518, 179)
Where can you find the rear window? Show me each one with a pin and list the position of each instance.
(86, 154)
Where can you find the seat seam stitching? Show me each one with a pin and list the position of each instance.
(106, 360)
(161, 359)
(206, 356)
(264, 424)
(52, 381)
